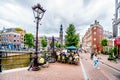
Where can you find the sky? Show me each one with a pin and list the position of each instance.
(81, 13)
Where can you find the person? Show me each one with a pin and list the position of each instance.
(96, 61)
(41, 61)
(92, 54)
(76, 56)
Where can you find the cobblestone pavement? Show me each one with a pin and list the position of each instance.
(55, 71)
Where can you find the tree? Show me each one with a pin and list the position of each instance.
(57, 44)
(44, 42)
(29, 40)
(71, 38)
(51, 44)
(104, 43)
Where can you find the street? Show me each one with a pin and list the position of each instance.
(104, 73)
(64, 71)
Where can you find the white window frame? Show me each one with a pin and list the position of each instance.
(118, 13)
(94, 33)
(94, 39)
(94, 27)
(118, 1)
(119, 29)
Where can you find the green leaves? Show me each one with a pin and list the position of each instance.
(44, 42)
(29, 40)
(104, 42)
(71, 38)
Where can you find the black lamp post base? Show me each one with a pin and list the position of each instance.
(35, 68)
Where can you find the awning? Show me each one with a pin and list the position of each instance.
(72, 47)
(117, 41)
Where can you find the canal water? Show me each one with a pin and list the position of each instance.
(15, 61)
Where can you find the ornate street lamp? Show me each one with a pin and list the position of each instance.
(38, 12)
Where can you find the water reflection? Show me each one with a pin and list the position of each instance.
(15, 61)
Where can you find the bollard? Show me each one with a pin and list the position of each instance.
(0, 61)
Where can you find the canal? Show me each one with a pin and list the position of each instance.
(15, 61)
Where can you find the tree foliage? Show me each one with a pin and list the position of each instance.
(71, 38)
(44, 42)
(57, 44)
(115, 50)
(29, 40)
(51, 44)
(104, 42)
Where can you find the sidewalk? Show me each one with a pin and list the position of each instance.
(55, 71)
(104, 60)
(92, 73)
(103, 73)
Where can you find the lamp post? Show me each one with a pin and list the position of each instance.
(38, 12)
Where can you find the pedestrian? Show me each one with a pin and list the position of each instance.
(96, 61)
(92, 54)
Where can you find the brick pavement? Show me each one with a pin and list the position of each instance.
(104, 59)
(55, 71)
(93, 73)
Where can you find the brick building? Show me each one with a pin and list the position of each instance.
(92, 37)
(22, 33)
(10, 39)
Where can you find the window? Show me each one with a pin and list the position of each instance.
(94, 39)
(118, 13)
(94, 46)
(14, 40)
(118, 1)
(94, 33)
(94, 27)
(119, 29)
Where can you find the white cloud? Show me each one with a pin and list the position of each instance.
(81, 13)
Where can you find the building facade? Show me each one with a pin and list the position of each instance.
(22, 33)
(116, 20)
(10, 39)
(116, 25)
(109, 36)
(92, 37)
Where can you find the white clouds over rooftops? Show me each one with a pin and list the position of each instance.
(82, 13)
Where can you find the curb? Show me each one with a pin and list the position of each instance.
(110, 66)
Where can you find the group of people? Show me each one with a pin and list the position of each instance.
(95, 58)
(41, 62)
(67, 55)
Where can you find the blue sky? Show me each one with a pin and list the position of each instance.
(81, 13)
